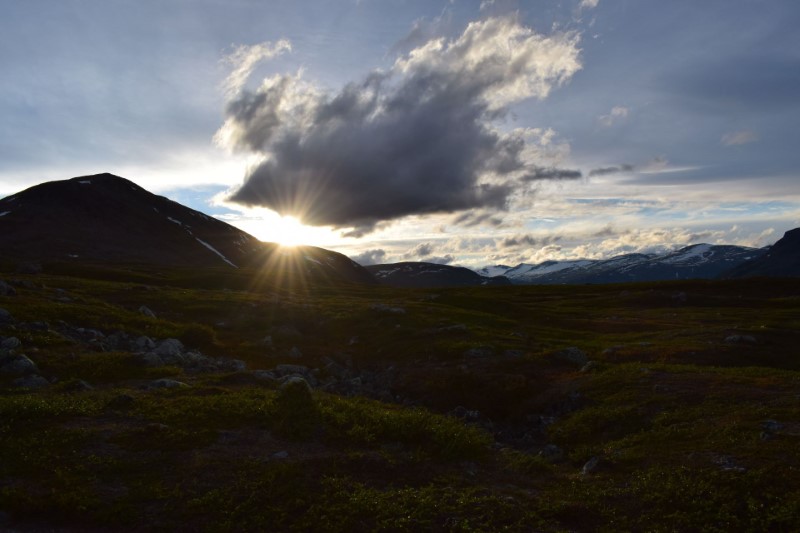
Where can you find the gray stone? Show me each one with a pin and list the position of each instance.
(267, 342)
(573, 355)
(552, 453)
(479, 351)
(170, 348)
(5, 317)
(144, 344)
(6, 289)
(165, 383)
(590, 466)
(11, 343)
(280, 456)
(150, 359)
(146, 311)
(17, 364)
(32, 381)
(590, 366)
(771, 425)
(295, 353)
(387, 309)
(78, 385)
(740, 339)
(285, 370)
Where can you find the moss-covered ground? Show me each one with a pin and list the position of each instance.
(688, 419)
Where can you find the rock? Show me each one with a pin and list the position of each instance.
(39, 325)
(771, 426)
(121, 402)
(32, 381)
(29, 268)
(590, 366)
(267, 342)
(280, 456)
(165, 383)
(146, 311)
(144, 344)
(479, 351)
(573, 355)
(5, 317)
(552, 453)
(170, 348)
(286, 331)
(740, 339)
(387, 309)
(77, 385)
(457, 328)
(17, 364)
(11, 343)
(150, 359)
(6, 289)
(590, 466)
(295, 353)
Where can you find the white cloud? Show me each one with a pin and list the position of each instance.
(588, 4)
(244, 59)
(734, 138)
(617, 114)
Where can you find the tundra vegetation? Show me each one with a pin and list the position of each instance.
(238, 404)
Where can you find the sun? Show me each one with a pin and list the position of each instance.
(289, 231)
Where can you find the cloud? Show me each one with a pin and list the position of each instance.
(604, 171)
(734, 138)
(518, 241)
(244, 59)
(424, 252)
(370, 257)
(617, 114)
(471, 219)
(588, 4)
(552, 173)
(414, 140)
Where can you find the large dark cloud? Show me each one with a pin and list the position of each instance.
(417, 139)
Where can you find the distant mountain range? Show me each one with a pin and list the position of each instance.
(106, 219)
(699, 261)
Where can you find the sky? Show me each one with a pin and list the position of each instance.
(464, 132)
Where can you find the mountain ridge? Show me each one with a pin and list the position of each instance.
(104, 218)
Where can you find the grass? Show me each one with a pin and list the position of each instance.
(674, 414)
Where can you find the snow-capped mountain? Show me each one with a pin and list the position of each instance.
(420, 274)
(106, 219)
(704, 261)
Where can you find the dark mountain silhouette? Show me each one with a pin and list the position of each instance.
(420, 274)
(782, 259)
(110, 220)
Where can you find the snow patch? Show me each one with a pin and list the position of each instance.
(4, 213)
(308, 258)
(695, 253)
(204, 243)
(178, 222)
(85, 182)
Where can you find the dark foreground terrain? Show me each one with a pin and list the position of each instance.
(178, 401)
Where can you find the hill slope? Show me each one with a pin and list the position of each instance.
(782, 260)
(420, 274)
(107, 219)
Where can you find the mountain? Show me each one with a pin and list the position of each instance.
(699, 261)
(418, 274)
(781, 260)
(107, 219)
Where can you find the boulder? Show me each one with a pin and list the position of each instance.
(5, 317)
(573, 355)
(146, 311)
(169, 348)
(17, 364)
(11, 343)
(143, 344)
(6, 289)
(32, 381)
(165, 383)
